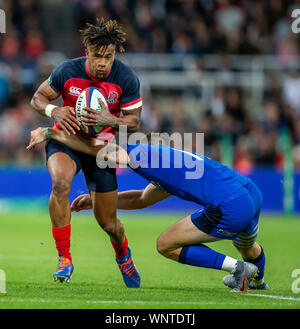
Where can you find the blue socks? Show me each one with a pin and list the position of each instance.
(201, 256)
(260, 263)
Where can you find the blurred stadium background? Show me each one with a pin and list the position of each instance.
(227, 68)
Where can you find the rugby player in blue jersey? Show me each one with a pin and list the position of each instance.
(231, 205)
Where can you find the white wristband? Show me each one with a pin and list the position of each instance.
(48, 110)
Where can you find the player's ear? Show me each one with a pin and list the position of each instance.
(86, 52)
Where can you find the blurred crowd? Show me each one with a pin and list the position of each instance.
(198, 27)
(255, 141)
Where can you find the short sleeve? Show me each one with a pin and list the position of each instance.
(131, 97)
(57, 78)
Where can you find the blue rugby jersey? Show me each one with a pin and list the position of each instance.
(212, 182)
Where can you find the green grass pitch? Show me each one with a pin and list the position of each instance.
(28, 257)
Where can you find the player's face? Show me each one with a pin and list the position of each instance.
(100, 60)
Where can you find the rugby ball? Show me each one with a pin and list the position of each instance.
(89, 98)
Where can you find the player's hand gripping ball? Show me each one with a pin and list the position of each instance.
(90, 97)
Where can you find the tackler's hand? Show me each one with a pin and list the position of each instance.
(37, 136)
(82, 202)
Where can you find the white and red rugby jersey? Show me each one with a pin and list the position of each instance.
(120, 87)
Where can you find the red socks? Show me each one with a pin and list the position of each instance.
(61, 236)
(62, 240)
(120, 249)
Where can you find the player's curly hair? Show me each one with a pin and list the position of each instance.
(103, 34)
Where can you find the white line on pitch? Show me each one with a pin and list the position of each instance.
(42, 300)
(274, 297)
(148, 302)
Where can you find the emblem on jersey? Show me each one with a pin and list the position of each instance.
(75, 91)
(113, 97)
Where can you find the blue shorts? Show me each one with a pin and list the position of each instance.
(236, 219)
(96, 179)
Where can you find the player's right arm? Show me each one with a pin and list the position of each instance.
(86, 145)
(109, 152)
(41, 102)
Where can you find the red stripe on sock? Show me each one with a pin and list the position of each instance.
(120, 249)
(62, 236)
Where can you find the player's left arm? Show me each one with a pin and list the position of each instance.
(139, 199)
(131, 119)
(127, 200)
(131, 104)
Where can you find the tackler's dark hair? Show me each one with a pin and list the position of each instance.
(102, 34)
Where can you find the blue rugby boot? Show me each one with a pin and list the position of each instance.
(64, 270)
(130, 273)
